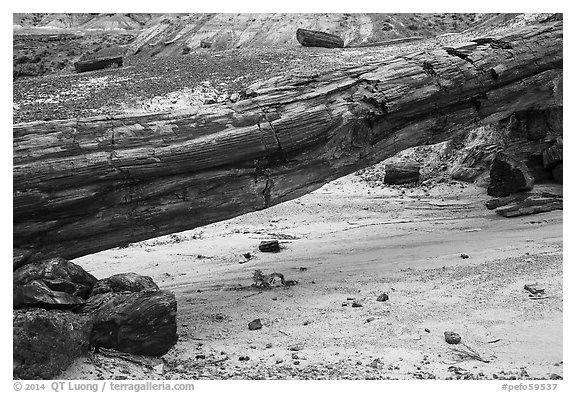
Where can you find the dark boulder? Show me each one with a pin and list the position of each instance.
(37, 294)
(508, 175)
(45, 343)
(57, 274)
(124, 282)
(142, 323)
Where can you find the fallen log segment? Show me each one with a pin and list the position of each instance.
(86, 185)
(318, 39)
(402, 172)
(98, 64)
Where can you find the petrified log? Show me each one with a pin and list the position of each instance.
(508, 175)
(47, 342)
(542, 198)
(98, 64)
(402, 172)
(142, 323)
(318, 39)
(124, 282)
(531, 205)
(86, 185)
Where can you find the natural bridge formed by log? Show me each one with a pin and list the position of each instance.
(90, 184)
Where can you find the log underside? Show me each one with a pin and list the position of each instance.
(86, 185)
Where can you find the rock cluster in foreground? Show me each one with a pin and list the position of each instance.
(60, 311)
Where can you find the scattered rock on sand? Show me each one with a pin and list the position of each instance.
(452, 337)
(464, 256)
(382, 298)
(255, 324)
(356, 304)
(269, 246)
(244, 358)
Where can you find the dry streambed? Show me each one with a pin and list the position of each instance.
(444, 261)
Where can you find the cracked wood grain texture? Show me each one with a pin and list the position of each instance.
(90, 184)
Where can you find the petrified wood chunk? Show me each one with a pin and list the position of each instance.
(142, 323)
(46, 342)
(269, 246)
(38, 294)
(402, 172)
(59, 275)
(124, 282)
(508, 175)
(98, 64)
(318, 39)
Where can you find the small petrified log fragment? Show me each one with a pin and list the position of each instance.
(318, 39)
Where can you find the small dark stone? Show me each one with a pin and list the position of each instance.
(382, 298)
(464, 256)
(247, 255)
(356, 304)
(427, 330)
(201, 356)
(244, 358)
(452, 337)
(370, 319)
(269, 246)
(294, 356)
(255, 325)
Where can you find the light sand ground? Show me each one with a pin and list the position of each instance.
(355, 242)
